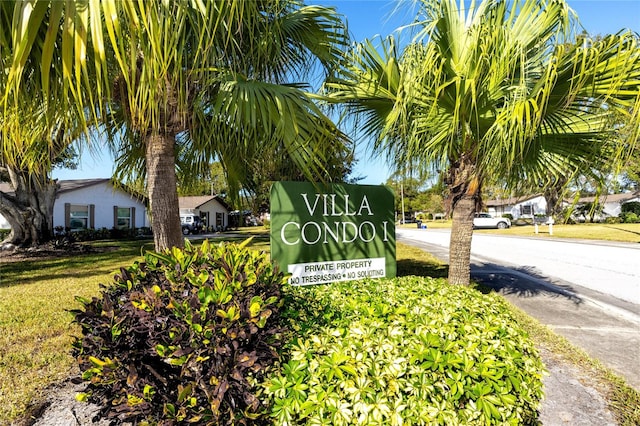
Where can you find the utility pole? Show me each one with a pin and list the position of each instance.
(402, 200)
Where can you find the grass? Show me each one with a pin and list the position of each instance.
(36, 329)
(623, 232)
(412, 261)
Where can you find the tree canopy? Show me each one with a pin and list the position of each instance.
(186, 81)
(496, 89)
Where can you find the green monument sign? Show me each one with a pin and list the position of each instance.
(327, 233)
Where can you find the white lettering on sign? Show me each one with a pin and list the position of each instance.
(331, 207)
(336, 270)
(326, 232)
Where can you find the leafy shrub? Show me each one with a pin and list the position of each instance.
(629, 217)
(183, 336)
(92, 234)
(508, 216)
(404, 351)
(4, 233)
(522, 221)
(632, 206)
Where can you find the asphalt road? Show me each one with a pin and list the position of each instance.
(609, 268)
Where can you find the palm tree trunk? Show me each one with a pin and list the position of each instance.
(460, 244)
(464, 199)
(163, 192)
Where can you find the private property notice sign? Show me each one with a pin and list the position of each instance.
(328, 233)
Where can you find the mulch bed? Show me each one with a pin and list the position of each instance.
(50, 250)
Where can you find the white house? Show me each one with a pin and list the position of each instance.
(611, 203)
(98, 203)
(94, 203)
(517, 207)
(213, 210)
(529, 206)
(3, 223)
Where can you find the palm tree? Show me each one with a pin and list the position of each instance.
(35, 135)
(493, 90)
(192, 78)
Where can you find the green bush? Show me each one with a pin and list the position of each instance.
(185, 336)
(629, 217)
(404, 351)
(92, 234)
(632, 206)
(4, 233)
(522, 221)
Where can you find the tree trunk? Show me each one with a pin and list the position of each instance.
(460, 244)
(163, 192)
(464, 200)
(553, 196)
(29, 210)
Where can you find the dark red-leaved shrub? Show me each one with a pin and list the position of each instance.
(183, 337)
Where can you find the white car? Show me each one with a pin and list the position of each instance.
(485, 220)
(191, 224)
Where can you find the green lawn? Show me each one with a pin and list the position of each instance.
(35, 325)
(625, 232)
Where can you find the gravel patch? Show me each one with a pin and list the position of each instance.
(569, 400)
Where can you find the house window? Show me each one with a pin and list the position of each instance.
(78, 217)
(219, 221)
(526, 210)
(123, 220)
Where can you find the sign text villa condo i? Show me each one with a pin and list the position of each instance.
(334, 232)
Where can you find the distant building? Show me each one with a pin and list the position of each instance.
(518, 207)
(212, 209)
(611, 203)
(530, 206)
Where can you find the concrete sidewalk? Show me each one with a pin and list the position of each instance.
(602, 327)
(606, 328)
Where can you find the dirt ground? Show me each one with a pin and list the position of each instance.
(51, 250)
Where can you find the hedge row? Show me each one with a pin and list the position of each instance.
(210, 335)
(410, 350)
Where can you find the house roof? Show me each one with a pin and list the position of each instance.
(510, 201)
(611, 198)
(194, 202)
(75, 184)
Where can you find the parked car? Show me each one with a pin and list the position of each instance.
(191, 224)
(485, 220)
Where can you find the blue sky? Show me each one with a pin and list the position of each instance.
(368, 18)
